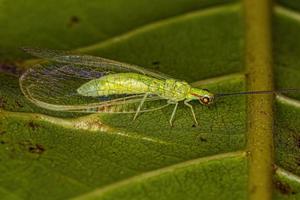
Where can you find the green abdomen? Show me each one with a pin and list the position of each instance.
(132, 83)
(126, 83)
(121, 83)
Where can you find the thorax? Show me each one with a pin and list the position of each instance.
(175, 90)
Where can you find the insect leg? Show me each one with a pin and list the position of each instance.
(140, 106)
(173, 113)
(186, 102)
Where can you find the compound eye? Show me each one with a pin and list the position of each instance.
(205, 100)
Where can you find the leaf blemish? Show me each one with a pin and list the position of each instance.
(31, 147)
(295, 136)
(2, 102)
(156, 65)
(2, 132)
(298, 143)
(155, 62)
(74, 20)
(10, 68)
(2, 142)
(298, 162)
(283, 188)
(38, 149)
(32, 125)
(19, 105)
(202, 139)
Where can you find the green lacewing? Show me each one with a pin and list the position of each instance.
(90, 84)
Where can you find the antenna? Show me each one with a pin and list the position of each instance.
(282, 91)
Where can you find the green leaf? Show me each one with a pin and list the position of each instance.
(72, 24)
(54, 155)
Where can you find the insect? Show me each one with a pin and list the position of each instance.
(83, 83)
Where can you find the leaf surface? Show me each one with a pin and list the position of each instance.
(55, 155)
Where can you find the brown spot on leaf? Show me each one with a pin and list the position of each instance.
(19, 105)
(298, 143)
(283, 188)
(2, 132)
(2, 102)
(74, 20)
(156, 65)
(202, 139)
(295, 136)
(38, 149)
(274, 167)
(32, 125)
(32, 148)
(11, 68)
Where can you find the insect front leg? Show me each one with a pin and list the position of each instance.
(186, 102)
(140, 106)
(174, 111)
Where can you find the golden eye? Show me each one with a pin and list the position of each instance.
(205, 100)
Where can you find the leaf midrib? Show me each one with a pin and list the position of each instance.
(258, 61)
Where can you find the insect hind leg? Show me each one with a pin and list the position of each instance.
(140, 106)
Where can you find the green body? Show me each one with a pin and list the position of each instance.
(133, 83)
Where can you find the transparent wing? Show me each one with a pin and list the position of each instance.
(92, 61)
(53, 86)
